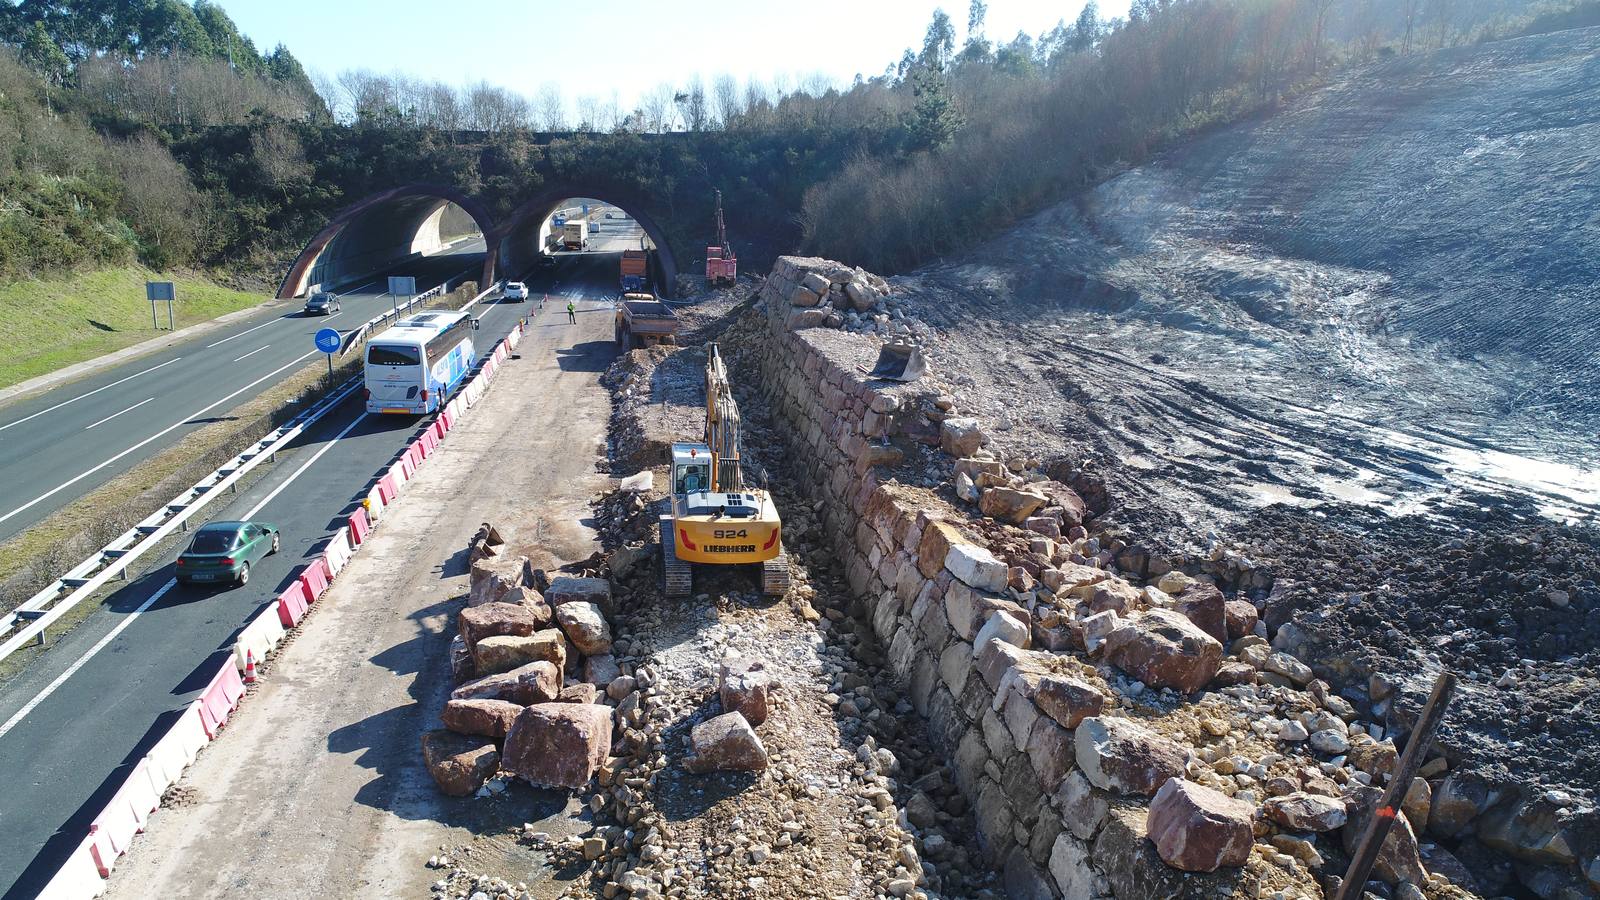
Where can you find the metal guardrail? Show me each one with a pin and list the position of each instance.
(29, 620)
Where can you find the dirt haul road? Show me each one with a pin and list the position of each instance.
(317, 787)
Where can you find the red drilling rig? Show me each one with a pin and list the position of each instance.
(722, 267)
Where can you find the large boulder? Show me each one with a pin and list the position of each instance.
(1065, 699)
(489, 718)
(1301, 811)
(585, 626)
(459, 764)
(536, 682)
(976, 567)
(1204, 605)
(960, 436)
(567, 589)
(1241, 617)
(1198, 829)
(506, 652)
(1125, 757)
(497, 619)
(725, 743)
(559, 744)
(1008, 504)
(1164, 649)
(744, 687)
(493, 577)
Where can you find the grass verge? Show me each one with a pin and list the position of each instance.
(49, 324)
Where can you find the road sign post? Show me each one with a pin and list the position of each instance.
(402, 284)
(158, 291)
(327, 340)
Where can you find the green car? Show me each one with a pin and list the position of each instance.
(223, 552)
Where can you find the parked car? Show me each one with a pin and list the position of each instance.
(516, 290)
(224, 551)
(323, 303)
(546, 261)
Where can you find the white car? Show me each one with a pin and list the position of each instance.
(515, 290)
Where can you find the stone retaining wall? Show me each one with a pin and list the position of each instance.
(938, 601)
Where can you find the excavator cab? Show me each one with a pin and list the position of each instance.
(691, 469)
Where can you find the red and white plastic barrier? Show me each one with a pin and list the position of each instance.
(359, 527)
(219, 698)
(78, 878)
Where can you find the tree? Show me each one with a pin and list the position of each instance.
(934, 119)
(977, 48)
(1319, 17)
(692, 105)
(1409, 10)
(44, 54)
(1016, 57)
(939, 42)
(1085, 31)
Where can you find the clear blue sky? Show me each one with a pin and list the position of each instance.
(592, 47)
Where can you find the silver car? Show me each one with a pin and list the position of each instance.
(323, 303)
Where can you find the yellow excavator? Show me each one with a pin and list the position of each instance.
(716, 518)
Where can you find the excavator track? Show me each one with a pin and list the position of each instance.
(775, 575)
(677, 576)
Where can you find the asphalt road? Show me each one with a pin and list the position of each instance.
(61, 444)
(77, 718)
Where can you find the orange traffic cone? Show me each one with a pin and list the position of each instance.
(249, 667)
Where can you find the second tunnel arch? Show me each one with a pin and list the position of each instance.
(514, 241)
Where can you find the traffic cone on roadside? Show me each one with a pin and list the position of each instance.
(249, 667)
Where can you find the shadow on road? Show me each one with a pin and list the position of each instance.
(589, 356)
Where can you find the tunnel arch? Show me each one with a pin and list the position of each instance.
(340, 253)
(514, 240)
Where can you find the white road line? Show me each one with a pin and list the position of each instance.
(246, 331)
(252, 352)
(215, 403)
(115, 414)
(127, 620)
(44, 695)
(88, 393)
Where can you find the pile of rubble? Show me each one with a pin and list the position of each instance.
(529, 659)
(819, 293)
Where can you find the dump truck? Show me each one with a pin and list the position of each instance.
(635, 266)
(718, 518)
(573, 236)
(644, 321)
(722, 266)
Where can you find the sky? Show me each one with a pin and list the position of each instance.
(595, 47)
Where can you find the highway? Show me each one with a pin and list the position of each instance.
(81, 714)
(63, 443)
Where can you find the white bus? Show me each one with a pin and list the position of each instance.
(413, 366)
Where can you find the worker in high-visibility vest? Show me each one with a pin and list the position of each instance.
(572, 313)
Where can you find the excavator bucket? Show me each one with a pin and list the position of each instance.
(899, 362)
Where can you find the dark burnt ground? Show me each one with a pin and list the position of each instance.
(1405, 596)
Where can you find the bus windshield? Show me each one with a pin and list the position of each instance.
(391, 355)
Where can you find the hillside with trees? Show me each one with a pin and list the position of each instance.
(154, 132)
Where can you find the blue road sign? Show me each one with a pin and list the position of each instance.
(328, 340)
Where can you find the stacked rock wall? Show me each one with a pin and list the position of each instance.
(1009, 720)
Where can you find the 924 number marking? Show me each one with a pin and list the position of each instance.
(726, 533)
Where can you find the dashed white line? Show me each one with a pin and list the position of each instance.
(252, 352)
(89, 393)
(207, 408)
(115, 414)
(127, 620)
(245, 332)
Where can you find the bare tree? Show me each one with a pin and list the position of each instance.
(552, 109)
(725, 98)
(1319, 18)
(588, 113)
(656, 109)
(691, 103)
(1409, 9)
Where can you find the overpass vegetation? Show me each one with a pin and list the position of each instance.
(154, 132)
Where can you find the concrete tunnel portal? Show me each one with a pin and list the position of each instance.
(383, 231)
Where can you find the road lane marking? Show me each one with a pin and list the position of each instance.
(115, 414)
(207, 408)
(49, 689)
(44, 695)
(252, 352)
(247, 331)
(88, 393)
